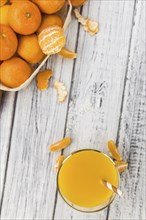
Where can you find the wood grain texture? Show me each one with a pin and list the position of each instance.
(97, 89)
(7, 111)
(39, 120)
(107, 79)
(132, 135)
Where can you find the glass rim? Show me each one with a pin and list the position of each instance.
(87, 209)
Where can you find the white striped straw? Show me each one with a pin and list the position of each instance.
(112, 188)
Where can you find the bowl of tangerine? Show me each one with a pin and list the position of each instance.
(30, 32)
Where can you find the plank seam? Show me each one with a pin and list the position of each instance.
(1, 98)
(9, 147)
(124, 86)
(73, 73)
(126, 72)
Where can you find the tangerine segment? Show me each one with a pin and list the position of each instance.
(59, 162)
(8, 42)
(60, 144)
(67, 53)
(42, 79)
(121, 165)
(3, 2)
(49, 6)
(50, 20)
(4, 14)
(114, 151)
(14, 72)
(24, 17)
(77, 3)
(51, 40)
(29, 49)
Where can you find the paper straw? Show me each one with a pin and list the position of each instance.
(112, 188)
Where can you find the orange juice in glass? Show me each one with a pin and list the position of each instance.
(80, 180)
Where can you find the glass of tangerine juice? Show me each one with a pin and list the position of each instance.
(80, 180)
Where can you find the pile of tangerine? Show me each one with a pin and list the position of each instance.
(29, 30)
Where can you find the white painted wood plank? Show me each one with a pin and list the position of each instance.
(132, 140)
(39, 121)
(98, 83)
(6, 118)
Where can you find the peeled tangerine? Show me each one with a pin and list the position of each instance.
(114, 151)
(42, 79)
(60, 144)
(52, 40)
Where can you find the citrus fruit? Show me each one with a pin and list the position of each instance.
(14, 72)
(3, 2)
(12, 1)
(50, 20)
(42, 79)
(77, 3)
(4, 14)
(49, 6)
(51, 40)
(24, 17)
(64, 52)
(114, 150)
(60, 144)
(29, 49)
(8, 42)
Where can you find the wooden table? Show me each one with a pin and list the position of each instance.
(107, 100)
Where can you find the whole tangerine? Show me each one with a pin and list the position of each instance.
(49, 6)
(4, 14)
(77, 3)
(51, 40)
(12, 1)
(8, 42)
(24, 17)
(29, 49)
(50, 20)
(14, 72)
